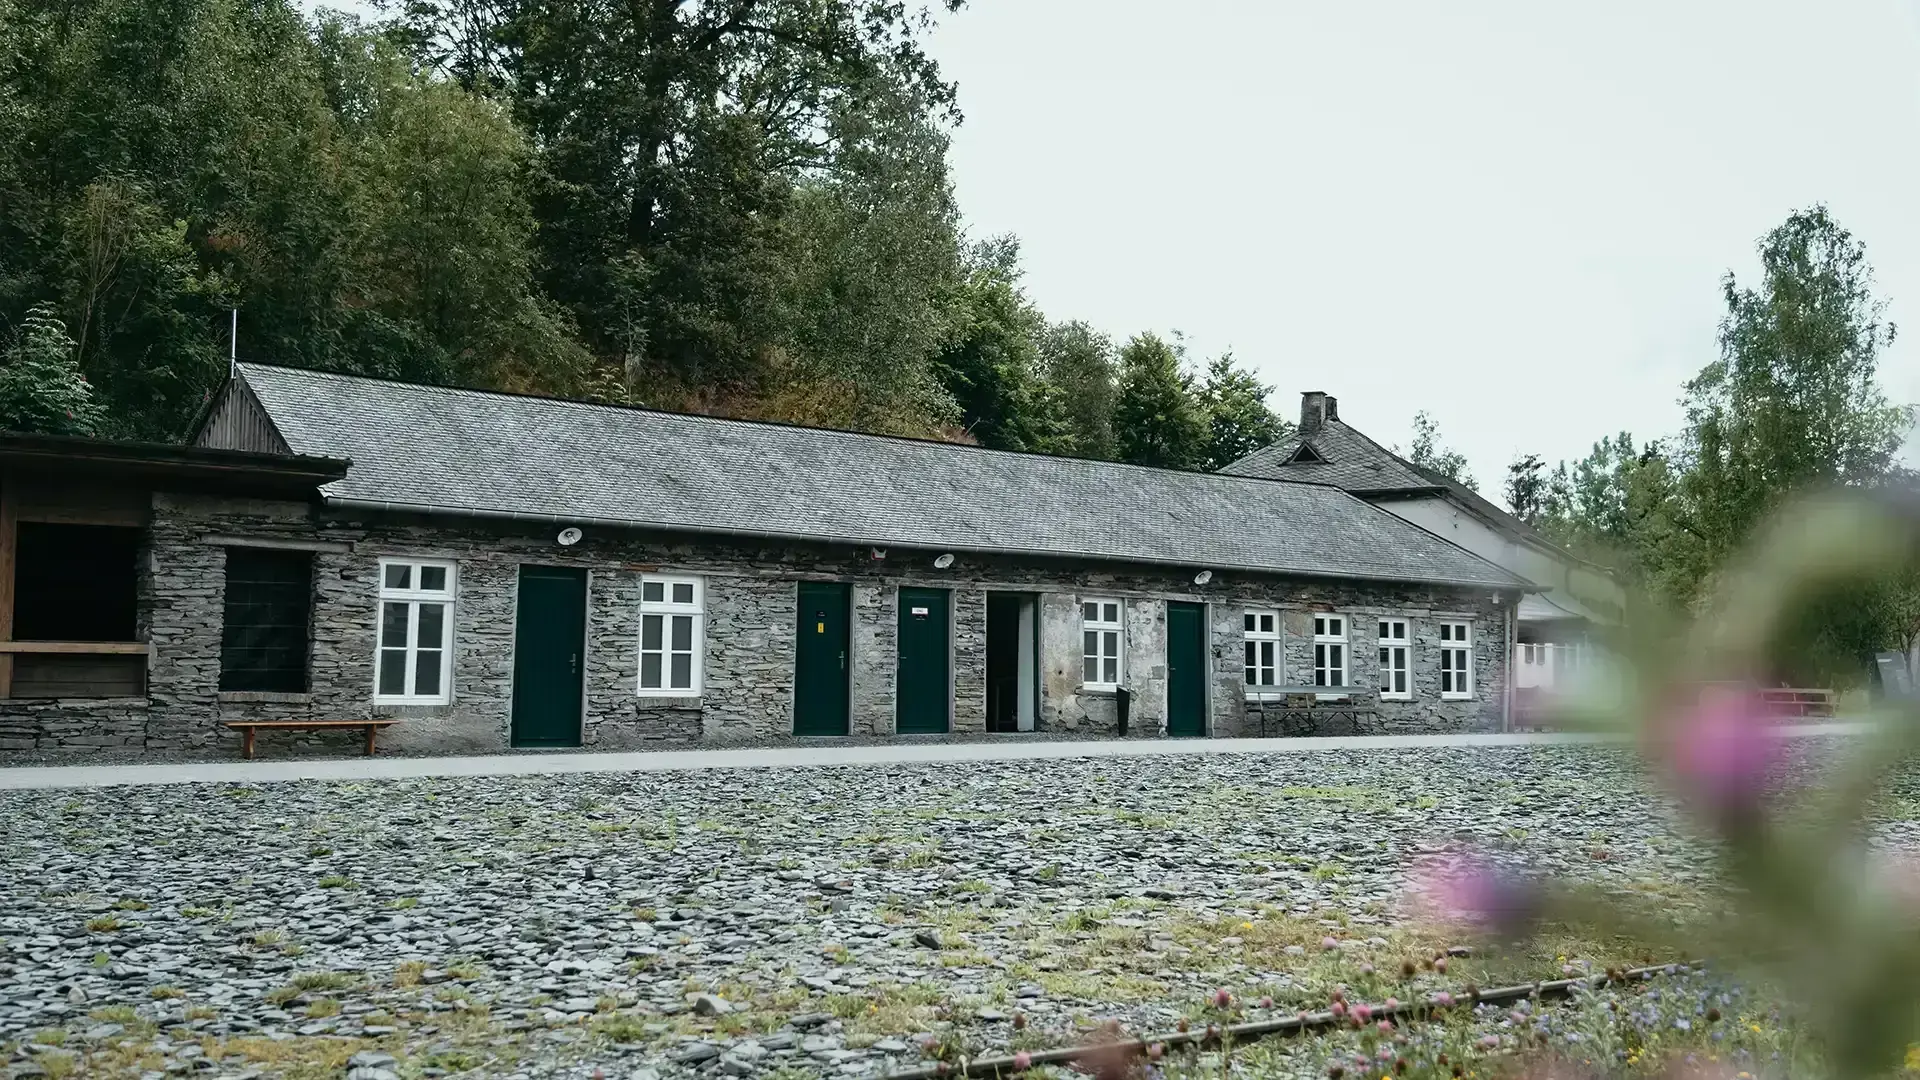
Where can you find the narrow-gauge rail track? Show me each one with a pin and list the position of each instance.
(1298, 1024)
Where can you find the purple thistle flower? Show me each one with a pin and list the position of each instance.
(1723, 751)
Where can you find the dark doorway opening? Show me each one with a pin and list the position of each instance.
(1013, 661)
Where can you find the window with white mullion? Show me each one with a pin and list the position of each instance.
(1394, 651)
(1262, 634)
(1101, 638)
(1456, 660)
(414, 662)
(1329, 650)
(672, 610)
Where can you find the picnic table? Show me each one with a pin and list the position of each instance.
(1313, 710)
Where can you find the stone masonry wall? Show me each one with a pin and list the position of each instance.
(750, 636)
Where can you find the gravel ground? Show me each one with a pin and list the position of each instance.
(329, 747)
(749, 922)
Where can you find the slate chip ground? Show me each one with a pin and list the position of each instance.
(784, 922)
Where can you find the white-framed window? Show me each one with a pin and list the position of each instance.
(1395, 681)
(415, 653)
(1101, 637)
(1329, 650)
(1456, 660)
(672, 635)
(1262, 632)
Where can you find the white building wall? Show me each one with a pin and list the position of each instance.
(1446, 519)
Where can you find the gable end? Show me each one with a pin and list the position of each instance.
(237, 421)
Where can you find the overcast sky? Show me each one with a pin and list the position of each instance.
(1514, 215)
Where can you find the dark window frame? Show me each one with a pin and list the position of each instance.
(266, 630)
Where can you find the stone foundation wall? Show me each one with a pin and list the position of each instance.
(749, 641)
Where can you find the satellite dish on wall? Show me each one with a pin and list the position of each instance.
(1203, 577)
(943, 561)
(569, 536)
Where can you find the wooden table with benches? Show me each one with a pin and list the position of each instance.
(247, 728)
(1306, 710)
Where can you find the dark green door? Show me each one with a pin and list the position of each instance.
(924, 688)
(549, 649)
(1186, 669)
(820, 671)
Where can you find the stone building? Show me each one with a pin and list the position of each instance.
(1560, 627)
(506, 571)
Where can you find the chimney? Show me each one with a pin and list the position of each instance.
(1316, 408)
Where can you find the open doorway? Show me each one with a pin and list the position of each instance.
(1013, 661)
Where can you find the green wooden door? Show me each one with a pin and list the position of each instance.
(820, 695)
(549, 653)
(1186, 669)
(924, 688)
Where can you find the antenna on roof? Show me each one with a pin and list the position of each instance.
(233, 345)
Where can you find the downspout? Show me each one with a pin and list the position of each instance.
(1506, 682)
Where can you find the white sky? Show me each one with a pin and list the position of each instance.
(1514, 215)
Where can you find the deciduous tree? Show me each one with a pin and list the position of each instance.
(1428, 452)
(41, 388)
(1239, 422)
(1157, 419)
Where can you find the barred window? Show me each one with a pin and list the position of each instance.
(263, 638)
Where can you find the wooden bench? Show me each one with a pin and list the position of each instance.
(246, 728)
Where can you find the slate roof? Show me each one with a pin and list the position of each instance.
(437, 449)
(1350, 461)
(1358, 464)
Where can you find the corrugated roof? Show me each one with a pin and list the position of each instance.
(469, 451)
(1348, 460)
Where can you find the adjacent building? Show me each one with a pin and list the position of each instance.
(509, 571)
(1557, 624)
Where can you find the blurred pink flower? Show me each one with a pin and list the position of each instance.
(1465, 889)
(1723, 752)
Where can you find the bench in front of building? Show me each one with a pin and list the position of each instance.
(247, 729)
(1313, 710)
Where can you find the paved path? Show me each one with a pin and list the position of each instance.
(534, 764)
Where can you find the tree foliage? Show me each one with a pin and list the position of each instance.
(739, 207)
(1526, 488)
(1238, 418)
(41, 388)
(1077, 362)
(1429, 453)
(1157, 419)
(1792, 404)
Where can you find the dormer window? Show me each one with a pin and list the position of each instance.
(1305, 455)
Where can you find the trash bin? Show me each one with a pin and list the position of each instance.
(1122, 700)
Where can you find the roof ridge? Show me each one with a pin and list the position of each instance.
(655, 410)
